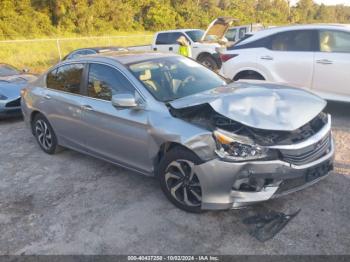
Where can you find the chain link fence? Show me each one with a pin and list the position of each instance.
(39, 54)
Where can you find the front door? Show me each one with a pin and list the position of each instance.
(332, 64)
(118, 135)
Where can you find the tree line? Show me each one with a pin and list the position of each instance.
(37, 18)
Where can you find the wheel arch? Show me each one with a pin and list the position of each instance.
(252, 71)
(166, 147)
(32, 117)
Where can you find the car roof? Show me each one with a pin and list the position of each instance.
(99, 48)
(125, 58)
(179, 30)
(273, 30)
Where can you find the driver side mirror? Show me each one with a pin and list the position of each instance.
(25, 70)
(125, 100)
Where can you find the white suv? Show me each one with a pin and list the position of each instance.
(315, 57)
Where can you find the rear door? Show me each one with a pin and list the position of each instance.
(332, 63)
(167, 42)
(289, 57)
(62, 102)
(118, 135)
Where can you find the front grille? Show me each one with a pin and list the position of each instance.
(308, 154)
(14, 103)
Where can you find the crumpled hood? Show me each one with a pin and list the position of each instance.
(17, 78)
(259, 105)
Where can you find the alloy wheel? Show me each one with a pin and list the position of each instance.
(43, 134)
(183, 183)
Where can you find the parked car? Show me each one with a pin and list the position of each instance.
(92, 50)
(203, 44)
(236, 33)
(211, 143)
(315, 57)
(12, 81)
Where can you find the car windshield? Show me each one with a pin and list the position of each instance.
(195, 35)
(7, 70)
(171, 78)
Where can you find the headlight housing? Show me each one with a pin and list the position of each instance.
(239, 148)
(2, 97)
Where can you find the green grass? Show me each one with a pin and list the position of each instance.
(40, 55)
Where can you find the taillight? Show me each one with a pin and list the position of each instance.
(226, 57)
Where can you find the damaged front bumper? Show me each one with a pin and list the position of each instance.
(228, 185)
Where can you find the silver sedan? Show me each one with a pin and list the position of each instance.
(211, 143)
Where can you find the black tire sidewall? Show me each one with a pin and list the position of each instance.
(170, 156)
(52, 150)
(211, 60)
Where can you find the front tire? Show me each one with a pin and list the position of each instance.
(179, 182)
(44, 134)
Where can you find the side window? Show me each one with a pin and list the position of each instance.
(168, 38)
(105, 81)
(231, 35)
(66, 78)
(173, 38)
(334, 41)
(298, 40)
(242, 32)
(162, 39)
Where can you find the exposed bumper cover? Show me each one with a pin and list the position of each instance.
(285, 178)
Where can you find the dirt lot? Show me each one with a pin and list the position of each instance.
(70, 203)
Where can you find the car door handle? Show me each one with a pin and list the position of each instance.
(170, 49)
(47, 96)
(87, 108)
(324, 62)
(266, 57)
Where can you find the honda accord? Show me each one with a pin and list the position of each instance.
(212, 143)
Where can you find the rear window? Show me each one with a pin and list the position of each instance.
(66, 78)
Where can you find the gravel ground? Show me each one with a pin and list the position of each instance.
(70, 203)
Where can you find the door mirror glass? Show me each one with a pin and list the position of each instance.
(125, 100)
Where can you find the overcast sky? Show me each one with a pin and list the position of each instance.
(328, 2)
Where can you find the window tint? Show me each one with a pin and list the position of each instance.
(66, 78)
(105, 81)
(195, 35)
(334, 41)
(301, 40)
(162, 39)
(242, 32)
(231, 35)
(168, 38)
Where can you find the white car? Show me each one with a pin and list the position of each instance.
(203, 44)
(314, 57)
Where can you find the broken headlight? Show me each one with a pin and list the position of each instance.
(239, 148)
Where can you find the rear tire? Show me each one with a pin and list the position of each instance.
(252, 75)
(178, 181)
(209, 62)
(44, 134)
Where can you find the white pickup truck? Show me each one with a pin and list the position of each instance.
(204, 44)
